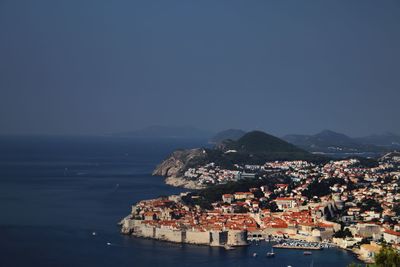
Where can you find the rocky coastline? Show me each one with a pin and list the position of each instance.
(182, 182)
(174, 167)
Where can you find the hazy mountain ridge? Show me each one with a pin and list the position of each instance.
(331, 142)
(229, 134)
(160, 131)
(326, 141)
(385, 139)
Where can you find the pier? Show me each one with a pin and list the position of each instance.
(297, 247)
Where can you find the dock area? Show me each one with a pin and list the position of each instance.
(297, 247)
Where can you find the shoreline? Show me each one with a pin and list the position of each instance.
(356, 253)
(226, 247)
(182, 182)
(190, 184)
(296, 247)
(230, 247)
(187, 184)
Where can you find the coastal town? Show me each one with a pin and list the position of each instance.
(347, 203)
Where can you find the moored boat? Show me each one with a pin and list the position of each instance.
(271, 253)
(227, 247)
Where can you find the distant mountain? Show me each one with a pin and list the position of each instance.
(391, 156)
(159, 131)
(330, 142)
(386, 140)
(231, 134)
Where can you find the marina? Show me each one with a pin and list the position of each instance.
(299, 245)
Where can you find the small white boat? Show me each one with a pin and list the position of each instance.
(108, 244)
(254, 254)
(94, 233)
(271, 253)
(227, 247)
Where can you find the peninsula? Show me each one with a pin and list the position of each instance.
(186, 168)
(245, 195)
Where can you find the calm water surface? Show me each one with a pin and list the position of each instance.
(56, 191)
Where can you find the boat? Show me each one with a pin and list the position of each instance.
(227, 247)
(254, 254)
(307, 253)
(271, 253)
(299, 245)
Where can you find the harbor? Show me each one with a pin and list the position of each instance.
(264, 253)
(299, 244)
(287, 246)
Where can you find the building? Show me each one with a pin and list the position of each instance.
(391, 236)
(243, 195)
(227, 198)
(284, 203)
(366, 230)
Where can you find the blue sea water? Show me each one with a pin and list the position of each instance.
(56, 191)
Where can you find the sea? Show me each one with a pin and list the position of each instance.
(55, 192)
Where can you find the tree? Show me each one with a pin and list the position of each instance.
(271, 205)
(370, 204)
(343, 233)
(240, 209)
(387, 257)
(396, 209)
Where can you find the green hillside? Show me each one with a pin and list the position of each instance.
(257, 147)
(260, 142)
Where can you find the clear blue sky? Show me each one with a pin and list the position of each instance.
(93, 67)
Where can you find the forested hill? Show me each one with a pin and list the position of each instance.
(253, 148)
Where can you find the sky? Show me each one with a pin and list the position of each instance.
(94, 67)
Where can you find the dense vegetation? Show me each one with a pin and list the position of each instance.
(257, 148)
(396, 209)
(366, 162)
(321, 188)
(329, 141)
(370, 204)
(343, 233)
(241, 158)
(387, 257)
(260, 142)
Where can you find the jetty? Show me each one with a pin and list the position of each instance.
(296, 247)
(299, 245)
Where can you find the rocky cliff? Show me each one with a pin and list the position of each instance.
(179, 161)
